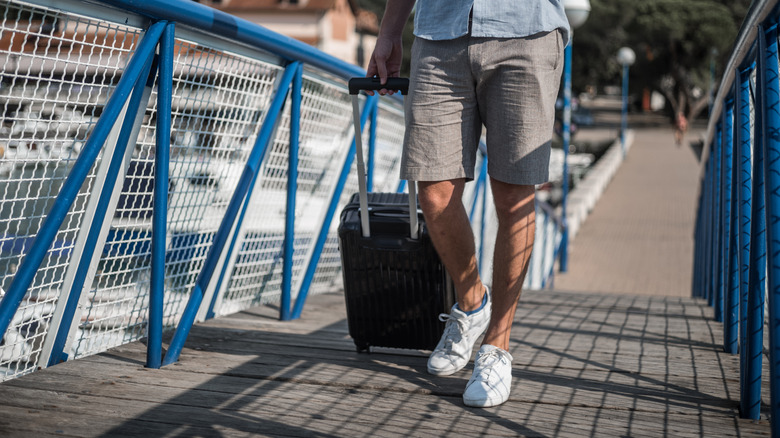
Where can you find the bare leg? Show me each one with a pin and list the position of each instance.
(514, 241)
(450, 230)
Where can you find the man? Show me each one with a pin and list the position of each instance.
(495, 63)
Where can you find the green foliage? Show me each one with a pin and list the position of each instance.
(675, 42)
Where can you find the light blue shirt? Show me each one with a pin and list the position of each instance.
(449, 19)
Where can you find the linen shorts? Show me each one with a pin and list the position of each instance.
(509, 85)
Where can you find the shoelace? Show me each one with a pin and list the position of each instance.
(485, 362)
(453, 330)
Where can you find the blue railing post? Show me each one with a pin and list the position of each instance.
(483, 171)
(702, 237)
(48, 231)
(292, 188)
(757, 272)
(716, 297)
(750, 387)
(234, 208)
(709, 224)
(371, 149)
(624, 113)
(730, 282)
(160, 207)
(771, 127)
(697, 243)
(563, 261)
(701, 234)
(319, 244)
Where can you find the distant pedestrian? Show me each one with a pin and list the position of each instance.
(680, 127)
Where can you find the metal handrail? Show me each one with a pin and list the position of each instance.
(237, 30)
(737, 244)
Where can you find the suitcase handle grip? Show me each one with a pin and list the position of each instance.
(357, 84)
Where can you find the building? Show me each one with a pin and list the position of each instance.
(337, 27)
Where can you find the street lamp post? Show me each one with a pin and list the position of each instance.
(626, 58)
(577, 13)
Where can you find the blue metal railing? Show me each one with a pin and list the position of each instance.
(151, 67)
(737, 233)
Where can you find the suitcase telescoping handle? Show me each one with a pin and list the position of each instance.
(397, 84)
(355, 85)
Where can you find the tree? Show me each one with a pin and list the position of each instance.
(675, 42)
(682, 37)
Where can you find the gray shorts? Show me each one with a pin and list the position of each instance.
(509, 85)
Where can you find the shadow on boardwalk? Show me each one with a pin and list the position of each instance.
(585, 365)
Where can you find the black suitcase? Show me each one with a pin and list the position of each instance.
(395, 286)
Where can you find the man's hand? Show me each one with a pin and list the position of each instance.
(388, 53)
(385, 61)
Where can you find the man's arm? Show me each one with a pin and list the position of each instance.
(386, 60)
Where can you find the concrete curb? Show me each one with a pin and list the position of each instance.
(584, 197)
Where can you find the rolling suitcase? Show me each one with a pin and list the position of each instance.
(395, 286)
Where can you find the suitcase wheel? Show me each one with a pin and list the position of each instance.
(362, 346)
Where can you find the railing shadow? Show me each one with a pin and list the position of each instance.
(314, 383)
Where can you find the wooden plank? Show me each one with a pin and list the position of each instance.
(609, 370)
(270, 410)
(614, 392)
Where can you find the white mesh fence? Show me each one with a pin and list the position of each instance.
(57, 71)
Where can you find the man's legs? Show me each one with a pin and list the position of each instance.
(514, 242)
(450, 230)
(451, 233)
(448, 224)
(491, 381)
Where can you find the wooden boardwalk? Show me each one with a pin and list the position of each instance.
(585, 365)
(622, 353)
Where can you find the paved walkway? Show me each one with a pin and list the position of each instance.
(639, 237)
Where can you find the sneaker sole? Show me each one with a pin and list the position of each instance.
(442, 373)
(484, 403)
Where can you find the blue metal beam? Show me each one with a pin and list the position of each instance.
(292, 187)
(246, 180)
(757, 272)
(698, 254)
(204, 18)
(771, 136)
(709, 222)
(750, 374)
(160, 207)
(730, 236)
(716, 295)
(372, 149)
(563, 262)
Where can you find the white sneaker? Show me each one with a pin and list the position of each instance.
(460, 334)
(489, 384)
